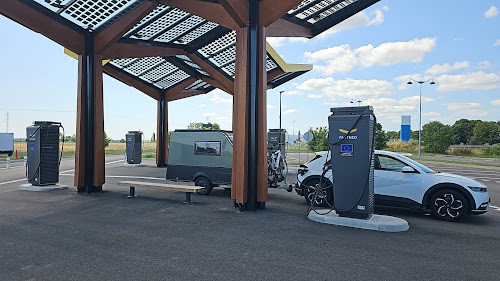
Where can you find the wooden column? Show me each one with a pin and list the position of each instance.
(89, 155)
(249, 172)
(162, 132)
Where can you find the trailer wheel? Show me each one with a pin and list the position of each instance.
(204, 182)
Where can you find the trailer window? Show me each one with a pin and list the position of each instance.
(211, 148)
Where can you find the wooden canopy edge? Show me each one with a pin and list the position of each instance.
(41, 23)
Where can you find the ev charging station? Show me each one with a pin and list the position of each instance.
(351, 135)
(351, 139)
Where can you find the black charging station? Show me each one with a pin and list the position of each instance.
(351, 135)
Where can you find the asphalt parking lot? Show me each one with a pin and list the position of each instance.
(60, 235)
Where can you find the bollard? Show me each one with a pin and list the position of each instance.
(8, 162)
(16, 153)
(25, 160)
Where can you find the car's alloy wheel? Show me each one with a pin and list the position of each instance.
(448, 205)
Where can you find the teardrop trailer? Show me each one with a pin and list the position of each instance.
(202, 156)
(205, 157)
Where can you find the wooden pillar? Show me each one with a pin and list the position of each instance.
(162, 132)
(89, 155)
(249, 173)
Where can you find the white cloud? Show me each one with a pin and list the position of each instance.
(497, 43)
(290, 93)
(495, 102)
(415, 100)
(216, 98)
(270, 106)
(358, 20)
(347, 88)
(468, 81)
(445, 68)
(276, 41)
(470, 109)
(209, 114)
(431, 114)
(484, 64)
(315, 96)
(343, 59)
(491, 12)
(389, 108)
(202, 105)
(290, 111)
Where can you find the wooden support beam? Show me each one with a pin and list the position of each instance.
(262, 185)
(213, 12)
(125, 50)
(239, 176)
(284, 28)
(272, 10)
(107, 37)
(80, 159)
(132, 81)
(238, 10)
(186, 94)
(162, 133)
(43, 24)
(226, 84)
(179, 88)
(274, 74)
(216, 84)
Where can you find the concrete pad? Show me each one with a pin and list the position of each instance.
(376, 222)
(30, 187)
(132, 165)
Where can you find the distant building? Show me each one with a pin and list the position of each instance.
(405, 128)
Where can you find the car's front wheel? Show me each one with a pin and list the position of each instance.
(449, 205)
(319, 191)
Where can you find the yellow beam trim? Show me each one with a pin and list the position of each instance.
(75, 56)
(286, 67)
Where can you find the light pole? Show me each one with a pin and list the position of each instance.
(359, 102)
(420, 109)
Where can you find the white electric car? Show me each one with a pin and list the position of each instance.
(402, 182)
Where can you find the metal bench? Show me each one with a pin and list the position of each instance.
(161, 186)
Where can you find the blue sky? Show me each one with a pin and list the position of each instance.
(368, 58)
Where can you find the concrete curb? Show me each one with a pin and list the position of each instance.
(132, 165)
(30, 187)
(376, 222)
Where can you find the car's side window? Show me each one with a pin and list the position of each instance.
(388, 164)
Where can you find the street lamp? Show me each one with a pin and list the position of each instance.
(359, 102)
(420, 109)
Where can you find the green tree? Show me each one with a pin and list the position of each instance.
(414, 135)
(487, 132)
(106, 140)
(381, 138)
(436, 137)
(463, 130)
(153, 138)
(199, 126)
(392, 135)
(320, 139)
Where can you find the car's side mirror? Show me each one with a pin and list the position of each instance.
(408, 169)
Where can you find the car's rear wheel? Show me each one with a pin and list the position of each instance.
(322, 196)
(205, 183)
(449, 205)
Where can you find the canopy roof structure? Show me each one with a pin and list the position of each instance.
(175, 49)
(162, 46)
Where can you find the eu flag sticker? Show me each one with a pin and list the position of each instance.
(346, 150)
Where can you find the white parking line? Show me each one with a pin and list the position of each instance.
(496, 208)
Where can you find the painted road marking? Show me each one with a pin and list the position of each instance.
(496, 208)
(126, 177)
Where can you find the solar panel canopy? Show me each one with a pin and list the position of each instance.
(202, 46)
